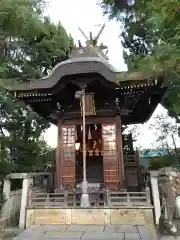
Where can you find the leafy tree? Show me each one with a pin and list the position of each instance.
(167, 135)
(30, 46)
(136, 31)
(166, 132)
(150, 36)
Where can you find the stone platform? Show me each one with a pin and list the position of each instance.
(88, 232)
(142, 215)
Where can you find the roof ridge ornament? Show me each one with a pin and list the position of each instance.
(91, 49)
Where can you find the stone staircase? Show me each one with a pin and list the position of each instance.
(7, 233)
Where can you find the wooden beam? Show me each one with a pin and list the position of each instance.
(90, 120)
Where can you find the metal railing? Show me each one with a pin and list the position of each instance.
(104, 197)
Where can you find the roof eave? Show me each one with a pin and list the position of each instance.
(84, 66)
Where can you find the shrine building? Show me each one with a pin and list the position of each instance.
(113, 100)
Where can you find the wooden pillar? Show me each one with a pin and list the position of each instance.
(137, 158)
(120, 154)
(110, 156)
(59, 160)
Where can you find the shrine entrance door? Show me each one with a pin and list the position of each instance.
(94, 155)
(94, 170)
(102, 162)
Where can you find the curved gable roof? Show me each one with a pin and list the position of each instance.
(81, 66)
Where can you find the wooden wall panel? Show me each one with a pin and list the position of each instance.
(69, 156)
(132, 177)
(110, 156)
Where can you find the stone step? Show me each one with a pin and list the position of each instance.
(88, 232)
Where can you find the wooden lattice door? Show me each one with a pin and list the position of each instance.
(69, 156)
(110, 156)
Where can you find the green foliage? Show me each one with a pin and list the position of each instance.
(30, 46)
(151, 40)
(136, 31)
(161, 162)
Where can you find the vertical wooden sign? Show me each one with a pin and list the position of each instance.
(110, 156)
(69, 156)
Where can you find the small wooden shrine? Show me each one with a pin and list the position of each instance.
(113, 101)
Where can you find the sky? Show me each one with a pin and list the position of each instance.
(88, 15)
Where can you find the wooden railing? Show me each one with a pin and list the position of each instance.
(104, 197)
(130, 159)
(117, 198)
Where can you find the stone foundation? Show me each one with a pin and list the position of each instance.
(134, 216)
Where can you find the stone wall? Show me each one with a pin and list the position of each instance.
(139, 215)
(11, 208)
